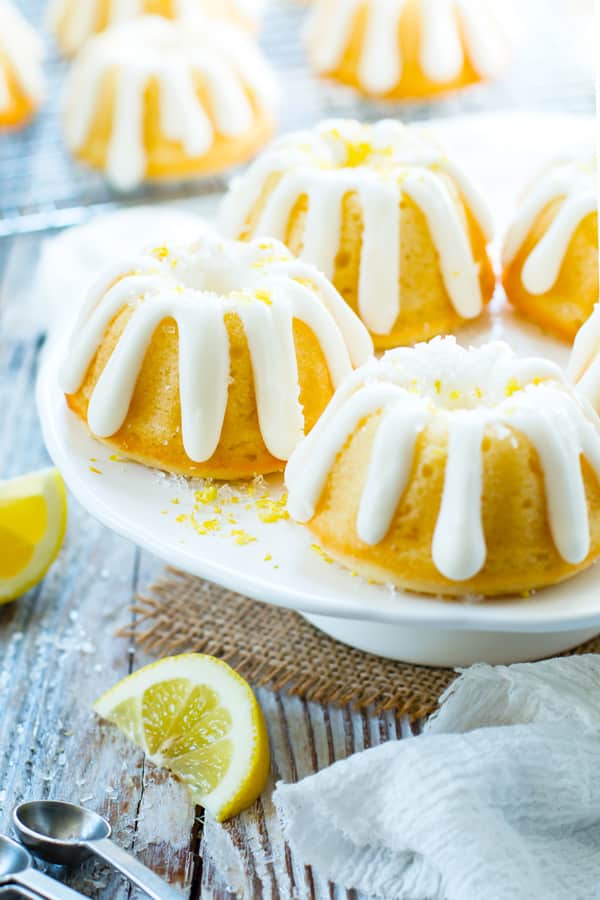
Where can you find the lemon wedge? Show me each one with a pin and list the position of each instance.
(198, 718)
(33, 518)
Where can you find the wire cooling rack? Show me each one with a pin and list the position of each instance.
(42, 188)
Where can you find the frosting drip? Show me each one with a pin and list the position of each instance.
(466, 393)
(198, 286)
(381, 164)
(572, 180)
(23, 51)
(451, 32)
(77, 20)
(584, 364)
(176, 54)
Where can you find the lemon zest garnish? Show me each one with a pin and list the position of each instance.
(320, 552)
(272, 510)
(242, 537)
(95, 470)
(208, 495)
(264, 297)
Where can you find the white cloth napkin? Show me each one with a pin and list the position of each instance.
(498, 799)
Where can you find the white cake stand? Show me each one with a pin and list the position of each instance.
(276, 562)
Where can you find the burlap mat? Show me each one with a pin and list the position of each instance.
(275, 647)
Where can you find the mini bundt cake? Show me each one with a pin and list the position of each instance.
(22, 82)
(210, 359)
(551, 250)
(450, 471)
(409, 48)
(584, 364)
(381, 210)
(159, 99)
(75, 21)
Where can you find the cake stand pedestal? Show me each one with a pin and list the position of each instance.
(445, 647)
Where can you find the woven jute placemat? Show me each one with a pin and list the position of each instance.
(271, 646)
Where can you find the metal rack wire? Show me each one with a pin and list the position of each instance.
(42, 188)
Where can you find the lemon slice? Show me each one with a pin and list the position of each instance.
(198, 718)
(33, 518)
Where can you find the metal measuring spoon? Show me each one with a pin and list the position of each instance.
(13, 892)
(16, 869)
(66, 834)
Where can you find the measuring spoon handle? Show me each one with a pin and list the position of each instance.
(46, 887)
(134, 870)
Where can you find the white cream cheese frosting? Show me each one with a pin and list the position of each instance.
(466, 393)
(197, 285)
(381, 163)
(584, 364)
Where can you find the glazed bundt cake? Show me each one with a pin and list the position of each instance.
(409, 48)
(450, 471)
(384, 213)
(159, 99)
(210, 359)
(75, 21)
(551, 250)
(21, 77)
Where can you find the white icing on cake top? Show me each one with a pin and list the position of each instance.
(381, 163)
(451, 31)
(197, 285)
(572, 179)
(584, 364)
(176, 54)
(466, 393)
(23, 51)
(77, 20)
